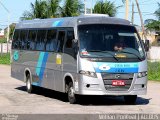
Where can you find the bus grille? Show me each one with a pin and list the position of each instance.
(109, 77)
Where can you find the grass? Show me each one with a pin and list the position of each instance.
(5, 59)
(154, 71)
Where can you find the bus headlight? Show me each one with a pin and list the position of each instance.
(142, 74)
(88, 73)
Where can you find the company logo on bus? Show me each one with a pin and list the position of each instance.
(104, 67)
(16, 55)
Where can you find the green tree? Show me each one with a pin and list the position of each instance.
(154, 24)
(12, 27)
(71, 8)
(105, 7)
(157, 12)
(53, 8)
(38, 10)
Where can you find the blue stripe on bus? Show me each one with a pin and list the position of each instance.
(57, 23)
(119, 70)
(116, 67)
(41, 65)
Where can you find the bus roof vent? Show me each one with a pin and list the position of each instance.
(100, 15)
(36, 19)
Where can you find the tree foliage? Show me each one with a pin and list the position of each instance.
(51, 9)
(71, 8)
(157, 12)
(12, 27)
(37, 11)
(106, 7)
(154, 24)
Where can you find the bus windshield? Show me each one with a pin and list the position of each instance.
(108, 40)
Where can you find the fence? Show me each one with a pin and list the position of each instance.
(3, 47)
(154, 54)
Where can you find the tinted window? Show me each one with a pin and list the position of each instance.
(70, 37)
(23, 39)
(31, 39)
(15, 42)
(40, 41)
(51, 42)
(102, 38)
(61, 38)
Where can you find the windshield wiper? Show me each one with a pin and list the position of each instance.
(132, 54)
(94, 50)
(104, 52)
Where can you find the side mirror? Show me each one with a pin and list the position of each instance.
(146, 45)
(75, 46)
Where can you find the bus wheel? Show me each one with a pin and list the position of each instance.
(130, 99)
(28, 84)
(71, 95)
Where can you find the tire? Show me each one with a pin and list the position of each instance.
(130, 99)
(71, 94)
(29, 86)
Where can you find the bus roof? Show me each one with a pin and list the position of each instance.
(71, 21)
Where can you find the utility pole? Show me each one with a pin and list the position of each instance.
(92, 7)
(8, 23)
(132, 13)
(85, 7)
(140, 14)
(126, 12)
(8, 31)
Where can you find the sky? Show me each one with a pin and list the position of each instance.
(17, 7)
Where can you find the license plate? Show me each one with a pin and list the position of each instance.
(118, 83)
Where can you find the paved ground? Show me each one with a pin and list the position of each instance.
(14, 99)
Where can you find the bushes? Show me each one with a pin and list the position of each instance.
(5, 58)
(154, 71)
(3, 40)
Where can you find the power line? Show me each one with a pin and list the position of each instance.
(4, 7)
(135, 12)
(146, 1)
(3, 25)
(144, 4)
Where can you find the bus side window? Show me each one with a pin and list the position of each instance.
(40, 41)
(15, 42)
(68, 49)
(51, 40)
(70, 37)
(31, 40)
(23, 39)
(61, 38)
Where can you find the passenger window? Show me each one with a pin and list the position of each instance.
(31, 40)
(40, 41)
(70, 37)
(61, 38)
(15, 42)
(23, 39)
(51, 42)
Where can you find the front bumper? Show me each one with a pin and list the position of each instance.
(95, 86)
